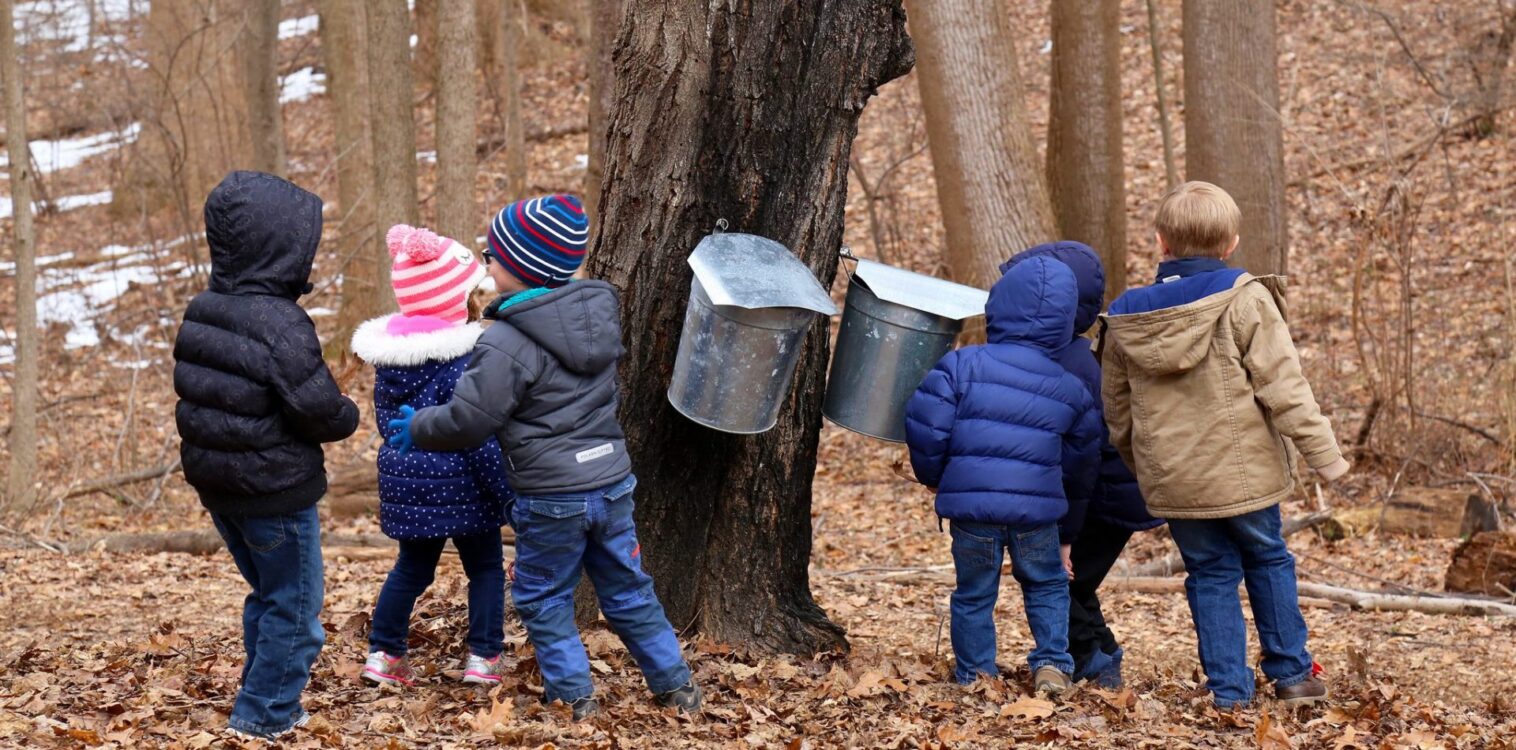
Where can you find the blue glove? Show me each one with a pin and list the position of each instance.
(402, 440)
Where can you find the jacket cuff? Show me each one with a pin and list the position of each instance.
(1334, 470)
(1322, 459)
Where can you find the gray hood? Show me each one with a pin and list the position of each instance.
(578, 324)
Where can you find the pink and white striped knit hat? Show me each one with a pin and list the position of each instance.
(432, 275)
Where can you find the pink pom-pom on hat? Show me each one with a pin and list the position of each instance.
(431, 274)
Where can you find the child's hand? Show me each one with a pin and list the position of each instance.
(1333, 471)
(402, 441)
(1066, 551)
(510, 571)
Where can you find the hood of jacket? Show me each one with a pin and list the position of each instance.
(263, 232)
(1033, 304)
(376, 344)
(1174, 340)
(1089, 276)
(579, 324)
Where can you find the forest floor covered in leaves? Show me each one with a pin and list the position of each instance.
(142, 649)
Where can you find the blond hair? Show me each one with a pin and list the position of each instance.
(478, 299)
(1198, 219)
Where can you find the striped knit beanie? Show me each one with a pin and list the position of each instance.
(541, 240)
(432, 275)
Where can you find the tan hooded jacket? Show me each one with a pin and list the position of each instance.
(1199, 398)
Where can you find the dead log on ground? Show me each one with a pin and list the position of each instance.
(1370, 601)
(1485, 564)
(1424, 512)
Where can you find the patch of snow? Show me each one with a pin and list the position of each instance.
(427, 156)
(46, 260)
(1047, 47)
(66, 203)
(68, 153)
(301, 85)
(67, 22)
(321, 312)
(293, 27)
(581, 161)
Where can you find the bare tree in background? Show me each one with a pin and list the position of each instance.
(258, 46)
(604, 24)
(990, 183)
(457, 165)
(1085, 167)
(344, 32)
(392, 95)
(21, 485)
(1233, 136)
(726, 519)
(424, 58)
(513, 31)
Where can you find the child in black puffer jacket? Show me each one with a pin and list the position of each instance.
(256, 402)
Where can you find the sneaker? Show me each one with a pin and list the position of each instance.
(269, 739)
(384, 669)
(1050, 680)
(687, 698)
(585, 707)
(1313, 690)
(481, 671)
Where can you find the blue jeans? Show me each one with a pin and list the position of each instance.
(557, 536)
(416, 567)
(280, 557)
(1219, 554)
(1035, 564)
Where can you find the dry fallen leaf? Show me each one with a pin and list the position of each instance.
(1028, 708)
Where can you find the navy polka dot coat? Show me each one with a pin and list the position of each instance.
(430, 494)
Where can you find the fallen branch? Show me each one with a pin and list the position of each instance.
(119, 480)
(1174, 563)
(1369, 601)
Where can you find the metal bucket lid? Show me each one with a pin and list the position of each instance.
(745, 270)
(921, 292)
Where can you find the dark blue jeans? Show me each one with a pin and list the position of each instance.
(558, 536)
(1218, 555)
(280, 557)
(416, 567)
(978, 549)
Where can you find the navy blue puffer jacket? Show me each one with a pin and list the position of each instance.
(995, 428)
(256, 400)
(429, 494)
(1116, 499)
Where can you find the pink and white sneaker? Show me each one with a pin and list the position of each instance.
(481, 671)
(388, 670)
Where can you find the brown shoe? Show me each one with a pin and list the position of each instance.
(1313, 690)
(1050, 680)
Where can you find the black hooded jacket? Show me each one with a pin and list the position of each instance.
(542, 379)
(256, 400)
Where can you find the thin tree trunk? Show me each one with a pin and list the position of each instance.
(457, 216)
(604, 25)
(344, 33)
(990, 183)
(697, 135)
(21, 485)
(1165, 131)
(424, 60)
(1085, 167)
(259, 49)
(392, 97)
(513, 31)
(1232, 131)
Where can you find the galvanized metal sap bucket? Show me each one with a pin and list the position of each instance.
(751, 302)
(895, 326)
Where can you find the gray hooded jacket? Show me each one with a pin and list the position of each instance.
(542, 379)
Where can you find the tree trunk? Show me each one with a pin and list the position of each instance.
(513, 31)
(1085, 168)
(363, 256)
(21, 485)
(699, 134)
(258, 47)
(197, 130)
(990, 183)
(1165, 132)
(457, 216)
(1232, 131)
(391, 120)
(424, 61)
(604, 25)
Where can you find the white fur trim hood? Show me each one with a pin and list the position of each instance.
(374, 344)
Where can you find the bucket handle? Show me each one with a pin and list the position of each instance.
(845, 253)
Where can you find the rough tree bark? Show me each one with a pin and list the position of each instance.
(343, 45)
(722, 113)
(1232, 131)
(1085, 167)
(604, 25)
(258, 47)
(21, 483)
(391, 120)
(1165, 132)
(457, 166)
(990, 183)
(513, 31)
